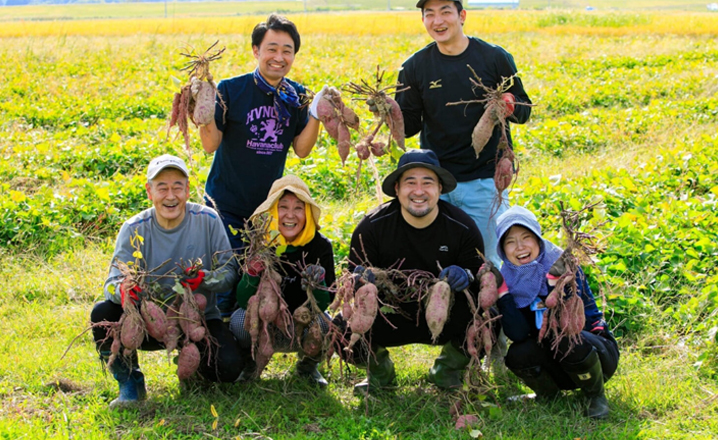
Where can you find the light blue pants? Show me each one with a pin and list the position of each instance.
(477, 198)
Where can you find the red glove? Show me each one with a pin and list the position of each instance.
(255, 267)
(193, 283)
(132, 293)
(509, 99)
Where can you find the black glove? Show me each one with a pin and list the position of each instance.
(458, 278)
(312, 275)
(365, 274)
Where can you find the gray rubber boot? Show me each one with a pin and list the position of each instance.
(588, 375)
(448, 368)
(130, 379)
(380, 373)
(307, 368)
(540, 382)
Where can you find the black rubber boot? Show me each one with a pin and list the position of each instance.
(130, 379)
(448, 368)
(307, 368)
(380, 373)
(540, 382)
(249, 372)
(588, 375)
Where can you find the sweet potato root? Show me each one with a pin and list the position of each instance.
(155, 319)
(366, 306)
(188, 361)
(437, 308)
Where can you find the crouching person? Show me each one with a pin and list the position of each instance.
(530, 270)
(306, 260)
(416, 231)
(161, 239)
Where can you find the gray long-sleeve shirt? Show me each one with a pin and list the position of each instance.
(200, 235)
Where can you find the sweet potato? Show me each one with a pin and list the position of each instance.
(132, 332)
(395, 121)
(302, 316)
(204, 104)
(349, 117)
(484, 129)
(201, 301)
(472, 340)
(377, 148)
(437, 308)
(366, 306)
(344, 143)
(265, 350)
(188, 361)
(489, 292)
(251, 320)
(504, 174)
(173, 328)
(197, 334)
(155, 319)
(552, 299)
(328, 117)
(487, 339)
(313, 340)
(363, 151)
(189, 318)
(269, 295)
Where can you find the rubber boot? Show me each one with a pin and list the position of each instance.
(130, 379)
(249, 372)
(540, 381)
(380, 373)
(588, 375)
(448, 368)
(307, 369)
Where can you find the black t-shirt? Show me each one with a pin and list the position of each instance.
(384, 239)
(436, 79)
(318, 251)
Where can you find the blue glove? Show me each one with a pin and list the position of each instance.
(365, 273)
(458, 278)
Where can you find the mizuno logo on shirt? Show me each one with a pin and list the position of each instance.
(435, 84)
(443, 248)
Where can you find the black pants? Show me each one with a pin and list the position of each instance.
(223, 365)
(530, 353)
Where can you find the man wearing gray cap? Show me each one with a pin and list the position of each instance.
(436, 75)
(416, 231)
(160, 239)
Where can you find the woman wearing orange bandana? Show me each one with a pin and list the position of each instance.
(295, 215)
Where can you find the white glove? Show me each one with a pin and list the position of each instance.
(315, 102)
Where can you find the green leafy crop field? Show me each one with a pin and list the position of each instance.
(626, 115)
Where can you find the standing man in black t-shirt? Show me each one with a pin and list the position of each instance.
(436, 75)
(418, 231)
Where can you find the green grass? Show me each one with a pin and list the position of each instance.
(656, 392)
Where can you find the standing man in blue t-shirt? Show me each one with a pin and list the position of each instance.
(251, 140)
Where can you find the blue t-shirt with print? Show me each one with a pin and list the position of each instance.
(254, 145)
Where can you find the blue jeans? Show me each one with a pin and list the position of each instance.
(477, 198)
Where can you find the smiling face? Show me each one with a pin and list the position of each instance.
(418, 190)
(292, 216)
(169, 191)
(443, 22)
(275, 56)
(520, 245)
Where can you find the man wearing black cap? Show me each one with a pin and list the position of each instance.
(417, 231)
(436, 75)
